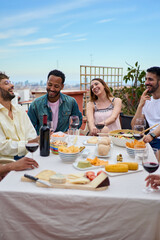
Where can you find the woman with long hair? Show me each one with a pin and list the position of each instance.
(102, 109)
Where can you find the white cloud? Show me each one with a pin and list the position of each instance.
(62, 35)
(106, 20)
(17, 32)
(34, 42)
(42, 13)
(79, 40)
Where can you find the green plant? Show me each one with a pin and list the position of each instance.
(131, 94)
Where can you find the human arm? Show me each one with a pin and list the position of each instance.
(13, 135)
(90, 119)
(22, 164)
(148, 138)
(153, 180)
(115, 113)
(138, 113)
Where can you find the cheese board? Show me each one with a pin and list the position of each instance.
(100, 183)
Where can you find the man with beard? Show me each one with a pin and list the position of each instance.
(15, 126)
(149, 106)
(57, 106)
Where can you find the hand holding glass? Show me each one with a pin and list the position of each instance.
(151, 165)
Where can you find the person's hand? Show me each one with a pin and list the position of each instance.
(144, 97)
(24, 163)
(153, 180)
(147, 138)
(35, 140)
(94, 131)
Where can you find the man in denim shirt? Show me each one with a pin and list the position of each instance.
(59, 107)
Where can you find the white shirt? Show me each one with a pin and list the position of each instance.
(14, 133)
(151, 110)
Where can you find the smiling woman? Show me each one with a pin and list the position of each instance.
(103, 109)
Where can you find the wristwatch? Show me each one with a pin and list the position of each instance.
(153, 135)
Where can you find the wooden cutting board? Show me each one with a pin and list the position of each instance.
(66, 185)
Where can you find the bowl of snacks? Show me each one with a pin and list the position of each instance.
(68, 154)
(58, 136)
(130, 147)
(120, 137)
(55, 145)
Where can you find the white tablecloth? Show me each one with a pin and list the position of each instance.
(123, 211)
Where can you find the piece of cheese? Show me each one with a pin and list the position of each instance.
(57, 178)
(75, 175)
(45, 174)
(81, 180)
(84, 164)
(101, 180)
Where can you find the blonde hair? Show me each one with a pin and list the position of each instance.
(93, 97)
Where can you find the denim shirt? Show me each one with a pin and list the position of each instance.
(67, 107)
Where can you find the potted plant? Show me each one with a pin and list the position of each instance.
(130, 94)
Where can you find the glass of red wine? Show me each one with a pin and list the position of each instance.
(151, 165)
(32, 147)
(99, 125)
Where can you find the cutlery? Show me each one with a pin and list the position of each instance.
(150, 128)
(38, 180)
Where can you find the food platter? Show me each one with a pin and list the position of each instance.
(114, 174)
(86, 169)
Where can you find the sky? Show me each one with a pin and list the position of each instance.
(38, 36)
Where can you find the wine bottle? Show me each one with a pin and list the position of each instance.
(44, 138)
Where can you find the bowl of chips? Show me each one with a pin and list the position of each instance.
(68, 154)
(55, 145)
(130, 147)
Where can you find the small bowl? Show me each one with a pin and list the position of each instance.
(131, 151)
(68, 157)
(58, 136)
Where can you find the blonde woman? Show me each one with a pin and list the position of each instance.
(102, 108)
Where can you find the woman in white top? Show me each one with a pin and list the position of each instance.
(102, 108)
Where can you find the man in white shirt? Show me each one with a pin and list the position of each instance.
(149, 106)
(15, 126)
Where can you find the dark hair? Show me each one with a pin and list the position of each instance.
(154, 70)
(3, 76)
(93, 97)
(57, 73)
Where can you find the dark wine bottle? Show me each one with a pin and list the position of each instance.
(44, 138)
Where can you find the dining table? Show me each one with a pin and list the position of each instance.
(123, 211)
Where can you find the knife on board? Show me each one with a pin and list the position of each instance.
(38, 180)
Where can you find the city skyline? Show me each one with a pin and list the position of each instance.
(38, 36)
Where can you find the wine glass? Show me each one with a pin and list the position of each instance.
(99, 125)
(151, 166)
(139, 126)
(74, 122)
(32, 147)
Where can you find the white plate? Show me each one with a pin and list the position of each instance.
(113, 174)
(89, 144)
(85, 169)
